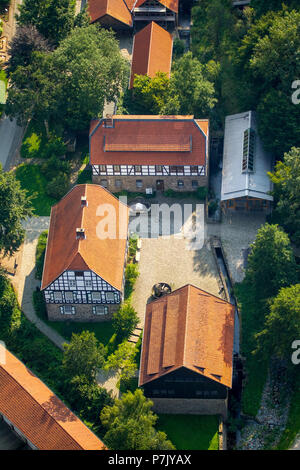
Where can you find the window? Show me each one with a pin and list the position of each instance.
(103, 168)
(138, 168)
(103, 183)
(116, 168)
(139, 183)
(158, 168)
(180, 170)
(96, 296)
(78, 274)
(69, 296)
(110, 296)
(194, 170)
(173, 169)
(68, 310)
(118, 183)
(194, 184)
(88, 283)
(58, 296)
(180, 184)
(72, 283)
(100, 310)
(248, 150)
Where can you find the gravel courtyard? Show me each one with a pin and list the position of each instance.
(169, 260)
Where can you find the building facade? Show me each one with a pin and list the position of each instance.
(83, 277)
(161, 11)
(157, 152)
(187, 352)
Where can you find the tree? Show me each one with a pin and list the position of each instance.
(271, 263)
(58, 186)
(125, 320)
(187, 91)
(26, 40)
(150, 94)
(130, 424)
(286, 180)
(88, 399)
(194, 92)
(123, 360)
(261, 7)
(282, 325)
(71, 84)
(267, 61)
(54, 19)
(15, 208)
(83, 355)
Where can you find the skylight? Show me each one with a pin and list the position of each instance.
(248, 150)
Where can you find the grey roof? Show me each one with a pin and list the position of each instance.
(235, 182)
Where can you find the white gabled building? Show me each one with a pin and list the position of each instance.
(245, 181)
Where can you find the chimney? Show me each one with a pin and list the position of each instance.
(109, 121)
(80, 234)
(84, 202)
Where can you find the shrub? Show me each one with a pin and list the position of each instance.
(131, 274)
(201, 193)
(40, 254)
(58, 186)
(50, 168)
(178, 48)
(125, 320)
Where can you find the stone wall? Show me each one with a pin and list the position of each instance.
(170, 182)
(84, 312)
(192, 406)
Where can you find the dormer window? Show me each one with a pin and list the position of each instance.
(84, 202)
(80, 234)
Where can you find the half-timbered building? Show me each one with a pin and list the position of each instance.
(158, 152)
(83, 276)
(187, 352)
(161, 11)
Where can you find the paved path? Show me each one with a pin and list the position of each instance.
(25, 282)
(10, 139)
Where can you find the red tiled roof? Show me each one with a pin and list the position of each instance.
(152, 52)
(188, 328)
(170, 4)
(117, 9)
(149, 140)
(40, 416)
(105, 257)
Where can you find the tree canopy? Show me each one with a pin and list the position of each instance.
(54, 19)
(130, 423)
(282, 325)
(15, 208)
(70, 84)
(286, 180)
(271, 262)
(83, 355)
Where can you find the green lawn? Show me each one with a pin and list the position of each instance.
(190, 432)
(103, 330)
(35, 183)
(34, 140)
(256, 370)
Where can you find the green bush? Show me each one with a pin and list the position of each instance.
(201, 193)
(58, 186)
(51, 167)
(125, 320)
(131, 275)
(40, 254)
